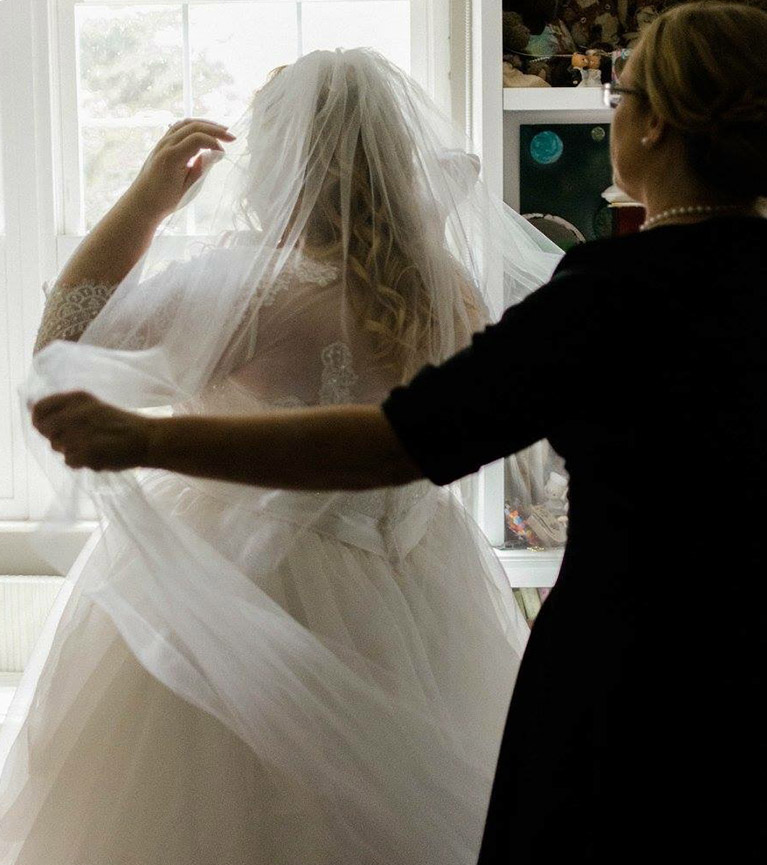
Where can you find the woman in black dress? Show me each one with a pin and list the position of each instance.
(635, 731)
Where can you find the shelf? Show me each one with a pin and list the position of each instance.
(525, 568)
(554, 99)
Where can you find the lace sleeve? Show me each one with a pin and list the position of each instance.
(69, 310)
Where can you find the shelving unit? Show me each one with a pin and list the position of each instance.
(497, 115)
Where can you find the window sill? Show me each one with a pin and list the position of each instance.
(19, 554)
(19, 550)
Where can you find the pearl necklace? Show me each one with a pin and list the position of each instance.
(692, 210)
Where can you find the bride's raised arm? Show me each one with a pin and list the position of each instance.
(124, 234)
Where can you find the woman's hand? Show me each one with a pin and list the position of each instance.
(123, 235)
(166, 174)
(92, 434)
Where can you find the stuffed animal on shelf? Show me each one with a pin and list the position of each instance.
(640, 14)
(589, 67)
(595, 66)
(515, 38)
(516, 34)
(513, 76)
(547, 36)
(592, 21)
(637, 15)
(558, 29)
(536, 14)
(550, 45)
(555, 38)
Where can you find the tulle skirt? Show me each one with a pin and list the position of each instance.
(106, 759)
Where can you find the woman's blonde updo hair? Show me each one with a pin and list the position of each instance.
(703, 68)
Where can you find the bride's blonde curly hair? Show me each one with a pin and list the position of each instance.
(386, 290)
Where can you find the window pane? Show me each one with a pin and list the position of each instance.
(130, 60)
(234, 46)
(131, 69)
(535, 507)
(112, 157)
(380, 24)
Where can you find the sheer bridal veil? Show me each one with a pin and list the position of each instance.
(344, 176)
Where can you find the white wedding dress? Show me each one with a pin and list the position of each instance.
(352, 717)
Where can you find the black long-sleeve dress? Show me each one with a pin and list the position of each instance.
(636, 731)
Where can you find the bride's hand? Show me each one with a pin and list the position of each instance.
(92, 434)
(166, 174)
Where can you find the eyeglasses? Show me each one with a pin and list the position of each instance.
(612, 94)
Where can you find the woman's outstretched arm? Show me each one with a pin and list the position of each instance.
(337, 447)
(118, 241)
(448, 421)
(348, 447)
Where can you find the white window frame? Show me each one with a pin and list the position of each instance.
(29, 241)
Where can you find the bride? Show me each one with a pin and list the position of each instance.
(236, 675)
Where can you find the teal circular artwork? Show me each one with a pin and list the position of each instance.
(546, 147)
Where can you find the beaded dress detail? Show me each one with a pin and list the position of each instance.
(338, 377)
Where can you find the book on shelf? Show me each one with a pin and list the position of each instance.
(530, 601)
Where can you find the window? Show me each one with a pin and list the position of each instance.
(130, 69)
(86, 89)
